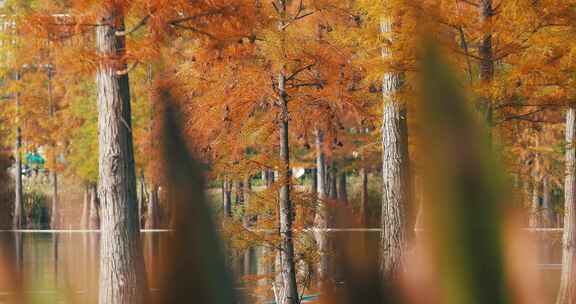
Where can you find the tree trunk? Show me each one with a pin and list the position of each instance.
(288, 269)
(567, 291)
(153, 214)
(247, 219)
(122, 273)
(342, 188)
(227, 204)
(534, 219)
(93, 213)
(321, 218)
(486, 60)
(141, 199)
(85, 208)
(54, 216)
(364, 197)
(395, 173)
(333, 181)
(54, 219)
(547, 213)
(18, 216)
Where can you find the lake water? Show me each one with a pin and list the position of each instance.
(63, 267)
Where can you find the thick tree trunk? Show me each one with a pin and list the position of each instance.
(122, 273)
(93, 209)
(395, 173)
(153, 214)
(288, 269)
(567, 291)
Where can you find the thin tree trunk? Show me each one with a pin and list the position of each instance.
(85, 208)
(288, 270)
(487, 60)
(54, 216)
(534, 219)
(395, 173)
(333, 181)
(93, 213)
(321, 218)
(153, 214)
(227, 204)
(567, 291)
(18, 216)
(54, 219)
(122, 273)
(342, 188)
(364, 197)
(247, 219)
(141, 199)
(547, 212)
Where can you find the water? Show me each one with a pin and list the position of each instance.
(63, 267)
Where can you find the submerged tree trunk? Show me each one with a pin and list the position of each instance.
(567, 291)
(288, 268)
(153, 214)
(395, 173)
(122, 273)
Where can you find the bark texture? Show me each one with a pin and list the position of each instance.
(567, 291)
(122, 274)
(395, 173)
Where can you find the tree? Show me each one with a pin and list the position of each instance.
(122, 274)
(395, 168)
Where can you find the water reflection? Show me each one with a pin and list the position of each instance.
(63, 267)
